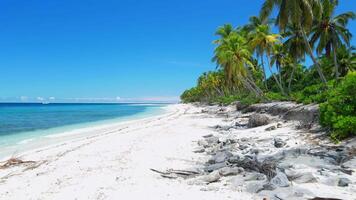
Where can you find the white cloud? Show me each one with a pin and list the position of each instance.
(40, 99)
(23, 98)
(52, 98)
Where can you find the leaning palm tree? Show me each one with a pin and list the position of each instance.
(296, 48)
(234, 57)
(262, 42)
(280, 58)
(302, 13)
(330, 32)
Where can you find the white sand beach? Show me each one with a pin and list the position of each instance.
(115, 163)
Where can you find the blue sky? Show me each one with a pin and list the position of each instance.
(91, 50)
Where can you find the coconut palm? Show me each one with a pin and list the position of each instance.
(233, 55)
(280, 58)
(295, 46)
(301, 13)
(262, 42)
(330, 32)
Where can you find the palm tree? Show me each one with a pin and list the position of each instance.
(262, 42)
(330, 32)
(223, 32)
(256, 21)
(302, 13)
(234, 57)
(296, 48)
(346, 59)
(280, 58)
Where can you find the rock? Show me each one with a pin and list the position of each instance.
(306, 178)
(208, 136)
(278, 142)
(254, 151)
(243, 146)
(291, 174)
(279, 125)
(256, 120)
(344, 182)
(230, 171)
(271, 128)
(233, 159)
(280, 180)
(240, 106)
(255, 177)
(199, 149)
(212, 177)
(212, 140)
(214, 167)
(269, 186)
(203, 143)
(239, 124)
(254, 186)
(220, 157)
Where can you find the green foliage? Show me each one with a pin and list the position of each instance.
(276, 96)
(312, 94)
(244, 98)
(339, 111)
(192, 95)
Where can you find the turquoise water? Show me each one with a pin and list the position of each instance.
(24, 122)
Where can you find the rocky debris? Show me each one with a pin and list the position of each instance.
(256, 120)
(279, 125)
(278, 142)
(230, 171)
(288, 111)
(199, 149)
(255, 186)
(307, 177)
(280, 180)
(240, 106)
(210, 178)
(264, 163)
(271, 128)
(214, 167)
(344, 182)
(220, 157)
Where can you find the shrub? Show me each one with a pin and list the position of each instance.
(276, 96)
(339, 111)
(313, 94)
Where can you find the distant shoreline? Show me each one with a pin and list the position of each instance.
(25, 141)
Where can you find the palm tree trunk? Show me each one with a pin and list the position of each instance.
(274, 76)
(264, 72)
(291, 79)
(310, 51)
(249, 87)
(336, 64)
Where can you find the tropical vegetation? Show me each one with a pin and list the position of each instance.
(309, 59)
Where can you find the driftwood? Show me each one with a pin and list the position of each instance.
(173, 174)
(14, 162)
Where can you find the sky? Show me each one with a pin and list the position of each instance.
(112, 50)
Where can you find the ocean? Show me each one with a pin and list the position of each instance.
(21, 123)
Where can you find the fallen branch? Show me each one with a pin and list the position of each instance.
(14, 162)
(172, 173)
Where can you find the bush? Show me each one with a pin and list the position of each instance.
(276, 96)
(313, 94)
(339, 111)
(245, 99)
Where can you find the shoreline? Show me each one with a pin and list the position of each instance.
(117, 162)
(72, 132)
